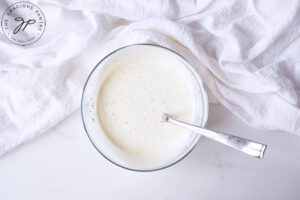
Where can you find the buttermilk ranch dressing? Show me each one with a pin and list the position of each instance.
(129, 91)
(133, 98)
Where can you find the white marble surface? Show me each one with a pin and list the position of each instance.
(62, 164)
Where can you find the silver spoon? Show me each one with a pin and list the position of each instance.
(249, 147)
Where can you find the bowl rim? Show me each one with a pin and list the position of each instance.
(203, 92)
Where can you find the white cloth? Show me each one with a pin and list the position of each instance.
(247, 52)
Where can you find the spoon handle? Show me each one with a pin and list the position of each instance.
(249, 147)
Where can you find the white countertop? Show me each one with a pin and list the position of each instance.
(62, 164)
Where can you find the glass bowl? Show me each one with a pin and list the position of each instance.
(89, 110)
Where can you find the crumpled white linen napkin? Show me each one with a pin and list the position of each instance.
(247, 53)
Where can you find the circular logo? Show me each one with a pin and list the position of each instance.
(23, 23)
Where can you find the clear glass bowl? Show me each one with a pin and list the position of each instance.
(89, 111)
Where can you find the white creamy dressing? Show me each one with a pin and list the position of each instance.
(135, 93)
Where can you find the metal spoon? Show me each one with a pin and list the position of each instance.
(249, 147)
